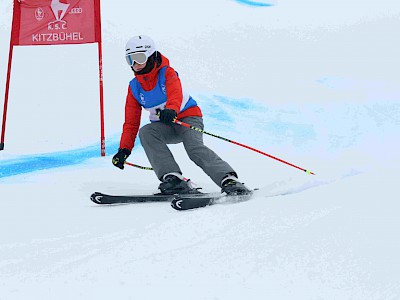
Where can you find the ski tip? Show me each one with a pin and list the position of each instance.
(177, 204)
(96, 197)
(191, 201)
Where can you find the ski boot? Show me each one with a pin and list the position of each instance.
(232, 186)
(174, 183)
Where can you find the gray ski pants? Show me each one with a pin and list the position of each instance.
(155, 137)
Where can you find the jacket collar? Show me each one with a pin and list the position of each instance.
(148, 80)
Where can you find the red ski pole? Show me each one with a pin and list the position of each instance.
(150, 169)
(176, 121)
(137, 166)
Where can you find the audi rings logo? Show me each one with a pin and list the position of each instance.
(76, 10)
(39, 14)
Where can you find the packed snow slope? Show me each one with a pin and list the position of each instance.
(314, 83)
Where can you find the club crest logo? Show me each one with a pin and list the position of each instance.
(39, 14)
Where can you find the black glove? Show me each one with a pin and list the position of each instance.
(167, 116)
(120, 158)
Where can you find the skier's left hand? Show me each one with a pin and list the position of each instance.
(167, 115)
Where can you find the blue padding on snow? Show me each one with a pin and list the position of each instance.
(36, 162)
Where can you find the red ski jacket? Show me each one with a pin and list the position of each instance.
(133, 109)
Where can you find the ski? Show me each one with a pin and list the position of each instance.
(100, 198)
(182, 202)
(178, 201)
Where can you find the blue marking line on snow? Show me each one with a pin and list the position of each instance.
(37, 162)
(254, 3)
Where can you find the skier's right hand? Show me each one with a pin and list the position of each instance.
(120, 158)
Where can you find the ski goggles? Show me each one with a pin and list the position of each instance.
(138, 57)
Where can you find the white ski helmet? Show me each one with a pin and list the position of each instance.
(138, 49)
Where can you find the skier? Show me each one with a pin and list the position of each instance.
(157, 88)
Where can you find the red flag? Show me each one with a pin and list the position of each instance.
(53, 22)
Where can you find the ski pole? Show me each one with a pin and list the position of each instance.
(176, 121)
(137, 166)
(150, 169)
